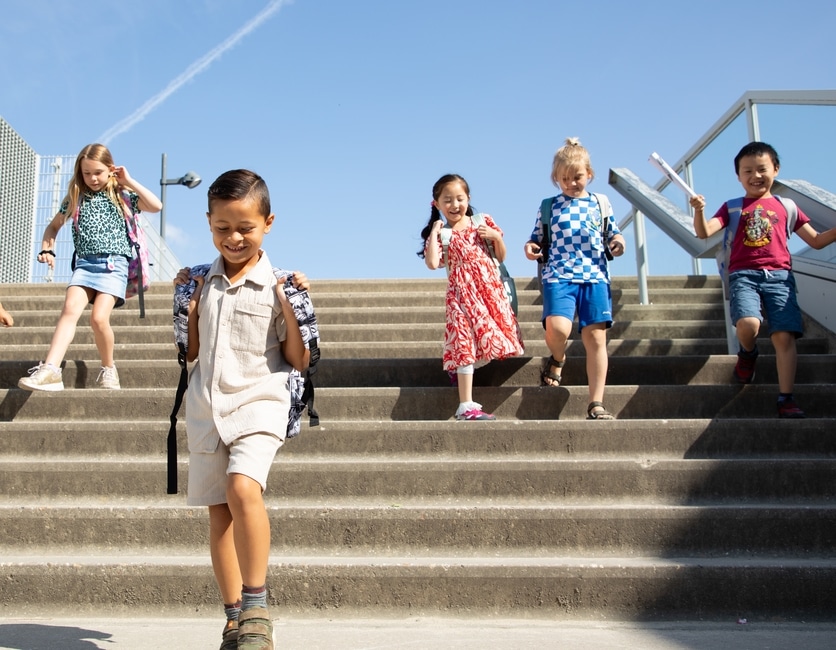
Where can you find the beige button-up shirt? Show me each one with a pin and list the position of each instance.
(238, 383)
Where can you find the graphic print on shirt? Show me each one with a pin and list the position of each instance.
(758, 226)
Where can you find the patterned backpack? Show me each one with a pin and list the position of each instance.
(301, 386)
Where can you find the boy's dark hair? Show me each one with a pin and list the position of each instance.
(240, 184)
(756, 149)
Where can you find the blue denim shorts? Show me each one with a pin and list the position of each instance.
(102, 273)
(769, 293)
(592, 301)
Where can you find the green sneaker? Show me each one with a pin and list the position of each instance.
(230, 636)
(255, 629)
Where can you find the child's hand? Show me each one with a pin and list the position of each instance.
(437, 226)
(488, 233)
(6, 318)
(47, 258)
(184, 276)
(532, 250)
(697, 202)
(300, 281)
(121, 175)
(617, 246)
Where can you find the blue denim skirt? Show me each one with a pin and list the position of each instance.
(102, 273)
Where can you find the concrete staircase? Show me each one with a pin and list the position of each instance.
(696, 503)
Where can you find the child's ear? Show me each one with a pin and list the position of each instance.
(268, 222)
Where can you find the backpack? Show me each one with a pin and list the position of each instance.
(546, 217)
(301, 386)
(478, 219)
(735, 208)
(139, 267)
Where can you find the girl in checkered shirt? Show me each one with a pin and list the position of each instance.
(575, 275)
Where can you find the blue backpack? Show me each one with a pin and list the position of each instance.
(301, 386)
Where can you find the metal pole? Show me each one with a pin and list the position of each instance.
(162, 200)
(641, 257)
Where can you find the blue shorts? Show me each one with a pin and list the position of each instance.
(755, 293)
(592, 301)
(102, 273)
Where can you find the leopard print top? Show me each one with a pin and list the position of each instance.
(101, 226)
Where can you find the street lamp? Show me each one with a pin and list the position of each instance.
(190, 180)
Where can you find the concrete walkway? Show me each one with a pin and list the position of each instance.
(436, 633)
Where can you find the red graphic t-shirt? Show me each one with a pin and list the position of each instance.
(760, 242)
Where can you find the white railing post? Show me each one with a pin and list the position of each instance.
(641, 257)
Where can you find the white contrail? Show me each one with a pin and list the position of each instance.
(191, 72)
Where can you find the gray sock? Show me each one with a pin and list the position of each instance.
(253, 597)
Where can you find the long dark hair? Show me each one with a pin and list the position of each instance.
(435, 214)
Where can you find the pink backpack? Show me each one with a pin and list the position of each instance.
(139, 268)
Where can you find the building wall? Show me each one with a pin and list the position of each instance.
(18, 187)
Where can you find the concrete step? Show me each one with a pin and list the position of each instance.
(377, 333)
(640, 440)
(465, 527)
(525, 371)
(430, 585)
(387, 314)
(522, 371)
(351, 315)
(552, 480)
(536, 347)
(626, 402)
(164, 349)
(43, 297)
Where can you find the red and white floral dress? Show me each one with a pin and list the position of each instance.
(481, 325)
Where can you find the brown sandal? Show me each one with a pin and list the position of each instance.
(600, 414)
(548, 377)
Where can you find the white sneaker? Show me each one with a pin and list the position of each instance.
(42, 377)
(108, 378)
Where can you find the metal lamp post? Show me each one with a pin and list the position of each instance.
(189, 179)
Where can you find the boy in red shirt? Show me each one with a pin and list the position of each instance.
(759, 269)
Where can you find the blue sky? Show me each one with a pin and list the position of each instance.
(352, 109)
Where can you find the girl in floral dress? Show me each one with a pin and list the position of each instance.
(481, 325)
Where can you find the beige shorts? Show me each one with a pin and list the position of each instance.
(251, 455)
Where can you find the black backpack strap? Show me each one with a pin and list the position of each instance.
(140, 293)
(172, 430)
(308, 399)
(546, 207)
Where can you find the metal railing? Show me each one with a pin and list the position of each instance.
(676, 223)
(54, 174)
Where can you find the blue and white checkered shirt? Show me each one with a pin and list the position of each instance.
(576, 251)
